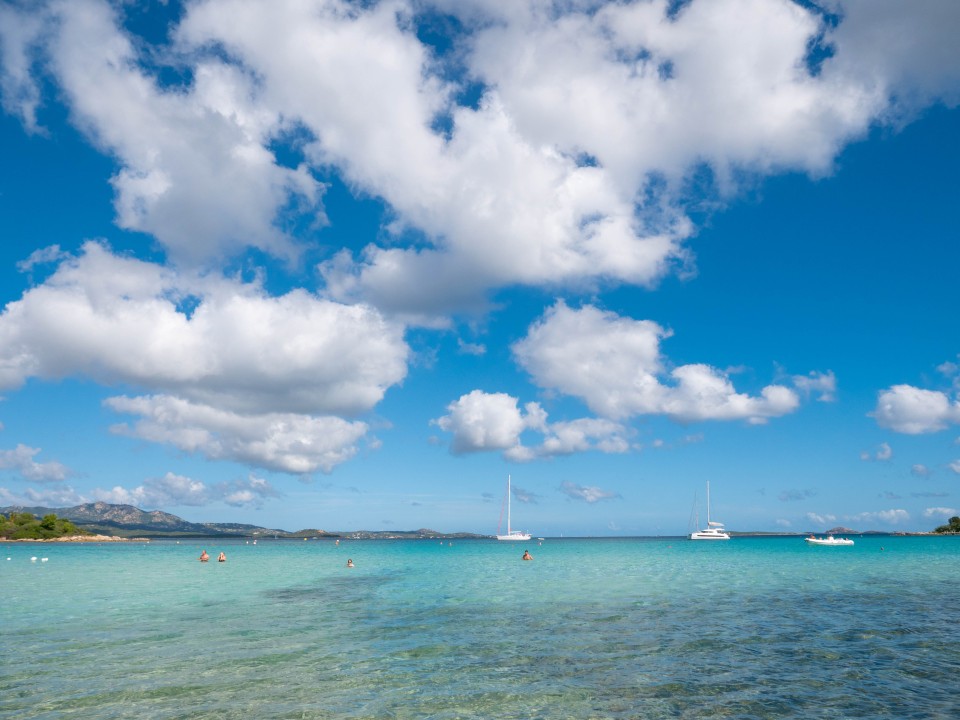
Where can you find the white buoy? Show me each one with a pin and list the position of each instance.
(44, 559)
(33, 559)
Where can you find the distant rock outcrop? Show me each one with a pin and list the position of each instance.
(840, 530)
(127, 521)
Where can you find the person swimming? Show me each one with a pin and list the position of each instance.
(203, 556)
(349, 563)
(222, 558)
(527, 555)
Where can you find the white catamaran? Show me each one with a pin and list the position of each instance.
(511, 534)
(714, 530)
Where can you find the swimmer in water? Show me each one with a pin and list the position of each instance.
(527, 555)
(222, 558)
(349, 563)
(203, 556)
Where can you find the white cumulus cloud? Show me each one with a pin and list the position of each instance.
(614, 365)
(913, 410)
(195, 171)
(21, 461)
(481, 421)
(231, 372)
(572, 165)
(286, 442)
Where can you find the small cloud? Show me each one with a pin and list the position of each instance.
(523, 496)
(949, 369)
(884, 452)
(919, 470)
(955, 466)
(50, 254)
(821, 519)
(253, 492)
(796, 495)
(825, 384)
(929, 494)
(784, 523)
(586, 494)
(179, 490)
(890, 496)
(57, 496)
(466, 348)
(940, 512)
(21, 461)
(888, 517)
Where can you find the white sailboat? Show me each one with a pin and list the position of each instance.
(714, 530)
(511, 534)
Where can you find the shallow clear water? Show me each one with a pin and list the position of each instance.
(603, 628)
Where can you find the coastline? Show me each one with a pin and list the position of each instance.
(76, 539)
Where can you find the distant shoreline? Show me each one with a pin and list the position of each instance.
(76, 539)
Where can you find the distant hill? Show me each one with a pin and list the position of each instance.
(128, 521)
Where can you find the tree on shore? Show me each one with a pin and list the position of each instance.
(24, 526)
(953, 526)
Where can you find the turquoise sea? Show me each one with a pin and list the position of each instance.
(592, 628)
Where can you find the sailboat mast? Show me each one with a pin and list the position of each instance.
(708, 503)
(508, 504)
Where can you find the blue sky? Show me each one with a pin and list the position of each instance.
(348, 265)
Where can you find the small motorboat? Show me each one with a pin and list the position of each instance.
(828, 540)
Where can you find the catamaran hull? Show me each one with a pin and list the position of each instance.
(706, 536)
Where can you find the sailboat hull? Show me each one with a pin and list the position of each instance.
(514, 536)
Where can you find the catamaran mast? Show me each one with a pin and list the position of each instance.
(708, 503)
(508, 504)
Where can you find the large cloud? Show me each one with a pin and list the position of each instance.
(614, 365)
(223, 342)
(196, 171)
(572, 167)
(246, 376)
(286, 442)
